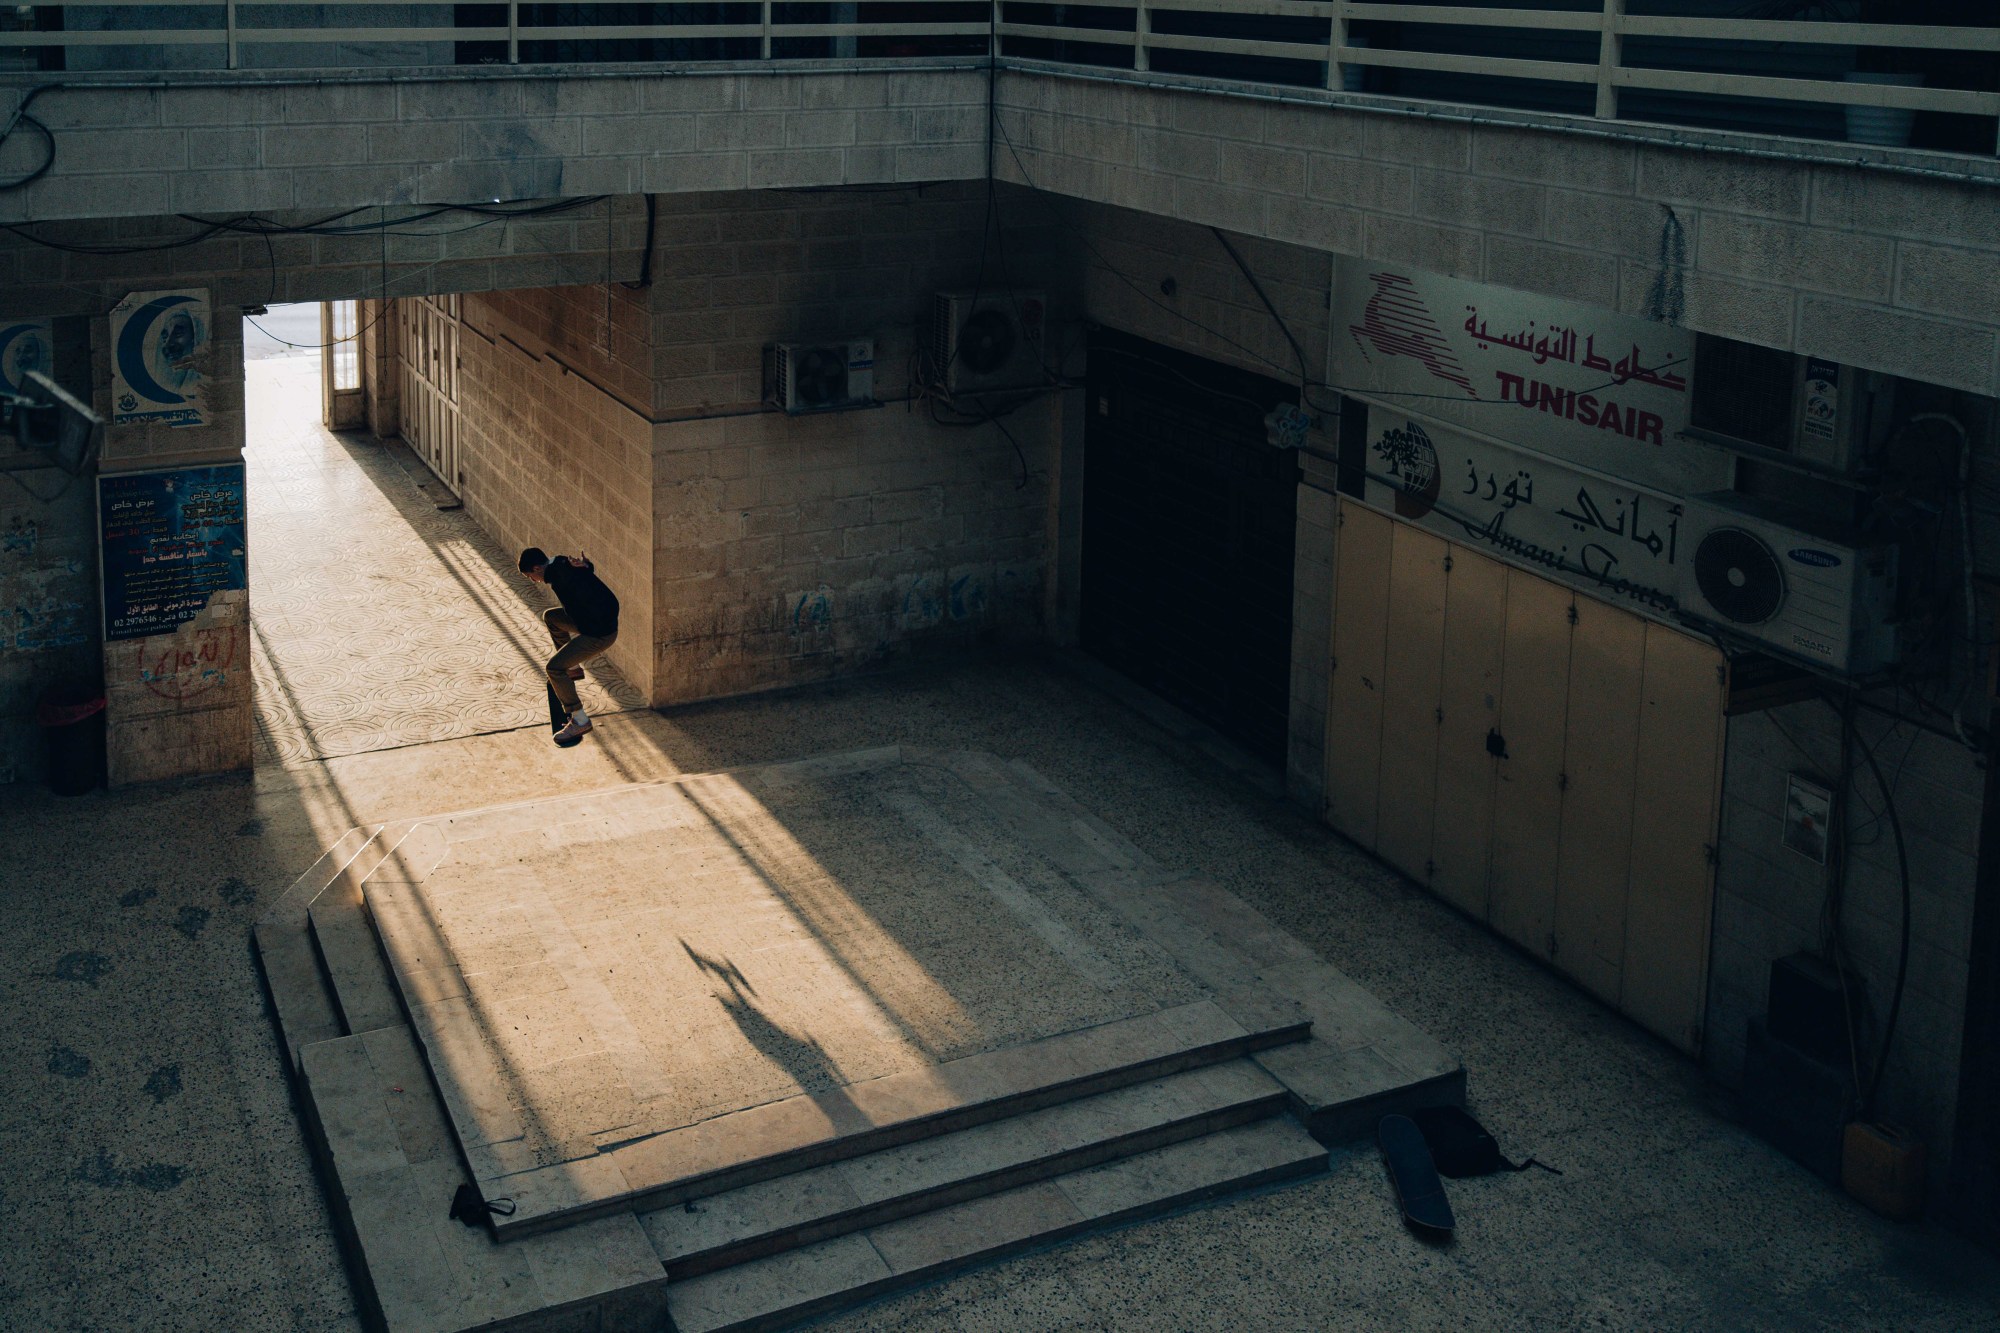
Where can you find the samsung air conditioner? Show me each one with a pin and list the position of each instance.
(1813, 410)
(820, 376)
(1762, 571)
(985, 342)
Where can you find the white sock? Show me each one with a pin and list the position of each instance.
(578, 715)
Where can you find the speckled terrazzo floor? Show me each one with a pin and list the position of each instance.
(377, 619)
(154, 1176)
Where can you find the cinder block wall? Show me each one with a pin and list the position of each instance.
(790, 549)
(181, 703)
(551, 459)
(1768, 899)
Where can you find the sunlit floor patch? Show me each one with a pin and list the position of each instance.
(378, 621)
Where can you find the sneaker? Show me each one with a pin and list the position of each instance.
(574, 729)
(575, 673)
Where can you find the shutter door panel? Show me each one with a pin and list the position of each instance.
(1606, 662)
(1474, 632)
(1527, 800)
(1354, 704)
(1678, 775)
(1413, 663)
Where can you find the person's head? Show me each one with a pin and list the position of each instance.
(533, 562)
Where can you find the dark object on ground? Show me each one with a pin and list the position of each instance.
(1461, 1147)
(1806, 1009)
(558, 718)
(1426, 1210)
(72, 720)
(1801, 1105)
(468, 1207)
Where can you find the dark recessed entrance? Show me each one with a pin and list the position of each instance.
(1187, 536)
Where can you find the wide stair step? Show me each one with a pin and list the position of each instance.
(808, 1206)
(839, 1272)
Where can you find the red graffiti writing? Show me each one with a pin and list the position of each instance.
(182, 671)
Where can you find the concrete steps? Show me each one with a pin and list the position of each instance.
(804, 1207)
(843, 1271)
(761, 1218)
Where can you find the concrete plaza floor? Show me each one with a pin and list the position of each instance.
(155, 1177)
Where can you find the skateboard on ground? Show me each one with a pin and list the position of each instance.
(558, 716)
(1418, 1189)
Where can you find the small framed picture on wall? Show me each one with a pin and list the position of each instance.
(1808, 811)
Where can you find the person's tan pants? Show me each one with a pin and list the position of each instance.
(572, 650)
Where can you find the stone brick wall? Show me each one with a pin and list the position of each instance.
(1795, 247)
(552, 460)
(793, 549)
(245, 141)
(1768, 899)
(181, 703)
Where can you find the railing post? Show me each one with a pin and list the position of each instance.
(765, 43)
(1139, 35)
(229, 22)
(513, 32)
(1336, 76)
(1610, 54)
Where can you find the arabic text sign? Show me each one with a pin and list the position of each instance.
(157, 341)
(1606, 390)
(1617, 541)
(171, 541)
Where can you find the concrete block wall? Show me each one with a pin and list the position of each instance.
(49, 631)
(792, 549)
(244, 141)
(181, 704)
(735, 271)
(1124, 259)
(457, 252)
(1768, 898)
(601, 332)
(1312, 636)
(1796, 247)
(552, 460)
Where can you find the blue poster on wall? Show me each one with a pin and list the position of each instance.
(171, 541)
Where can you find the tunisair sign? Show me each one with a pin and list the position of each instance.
(1606, 390)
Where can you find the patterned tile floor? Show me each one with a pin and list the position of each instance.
(377, 620)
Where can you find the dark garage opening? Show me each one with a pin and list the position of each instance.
(1187, 536)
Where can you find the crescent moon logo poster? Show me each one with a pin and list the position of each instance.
(25, 345)
(158, 344)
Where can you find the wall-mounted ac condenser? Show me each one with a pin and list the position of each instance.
(1766, 572)
(820, 376)
(986, 342)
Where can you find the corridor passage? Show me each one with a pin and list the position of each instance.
(379, 620)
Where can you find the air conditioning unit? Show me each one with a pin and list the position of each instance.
(1765, 571)
(1813, 409)
(820, 377)
(983, 342)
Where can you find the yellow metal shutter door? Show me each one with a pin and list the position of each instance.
(1413, 663)
(1600, 753)
(1469, 695)
(1354, 694)
(1527, 798)
(1679, 774)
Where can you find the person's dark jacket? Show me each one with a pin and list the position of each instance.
(590, 604)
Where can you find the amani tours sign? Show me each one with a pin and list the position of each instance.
(1562, 379)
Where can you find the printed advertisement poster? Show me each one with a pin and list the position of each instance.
(171, 541)
(25, 345)
(1565, 380)
(156, 343)
(1620, 542)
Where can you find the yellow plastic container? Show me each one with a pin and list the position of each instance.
(1884, 1168)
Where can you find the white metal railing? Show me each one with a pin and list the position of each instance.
(1316, 35)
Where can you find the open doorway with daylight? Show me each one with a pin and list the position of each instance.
(1187, 536)
(381, 615)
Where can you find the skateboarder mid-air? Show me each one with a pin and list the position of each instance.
(583, 627)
